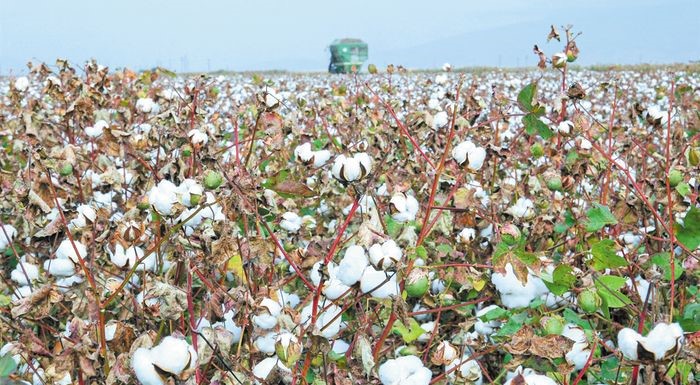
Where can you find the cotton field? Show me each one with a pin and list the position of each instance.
(534, 226)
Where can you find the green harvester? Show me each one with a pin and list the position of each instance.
(347, 56)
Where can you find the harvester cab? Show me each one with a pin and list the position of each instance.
(347, 56)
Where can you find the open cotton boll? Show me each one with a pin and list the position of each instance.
(303, 152)
(198, 136)
(21, 83)
(266, 318)
(379, 283)
(385, 255)
(142, 364)
(468, 152)
(467, 235)
(64, 284)
(290, 222)
(328, 320)
(579, 353)
(469, 371)
(266, 343)
(21, 292)
(264, 368)
(347, 169)
(18, 274)
(96, 129)
(663, 339)
(163, 196)
(61, 267)
(530, 379)
(352, 265)
(522, 209)
(66, 251)
(440, 120)
(486, 328)
(7, 231)
(86, 214)
(441, 79)
(320, 157)
(404, 207)
(187, 189)
(514, 294)
(39, 377)
(407, 370)
(628, 341)
(173, 355)
(146, 105)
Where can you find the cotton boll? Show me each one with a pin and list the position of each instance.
(7, 231)
(266, 318)
(663, 339)
(187, 189)
(627, 341)
(514, 294)
(21, 83)
(264, 368)
(60, 267)
(266, 343)
(334, 288)
(565, 127)
(380, 283)
(86, 214)
(321, 157)
(407, 370)
(404, 207)
(21, 292)
(18, 274)
(352, 265)
(173, 355)
(145, 105)
(66, 251)
(346, 169)
(469, 371)
(340, 346)
(198, 136)
(385, 255)
(440, 120)
(65, 283)
(163, 196)
(304, 153)
(530, 378)
(328, 319)
(290, 222)
(522, 209)
(143, 367)
(466, 236)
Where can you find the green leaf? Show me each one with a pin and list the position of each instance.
(689, 233)
(494, 314)
(683, 188)
(527, 96)
(515, 323)
(421, 252)
(562, 279)
(572, 317)
(4, 300)
(7, 365)
(663, 261)
(609, 290)
(533, 125)
(691, 318)
(410, 333)
(605, 255)
(598, 217)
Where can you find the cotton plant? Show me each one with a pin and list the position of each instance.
(385, 255)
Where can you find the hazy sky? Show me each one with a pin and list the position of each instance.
(266, 34)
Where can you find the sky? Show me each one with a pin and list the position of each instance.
(209, 35)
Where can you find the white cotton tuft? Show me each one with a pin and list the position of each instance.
(380, 283)
(407, 370)
(352, 265)
(404, 207)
